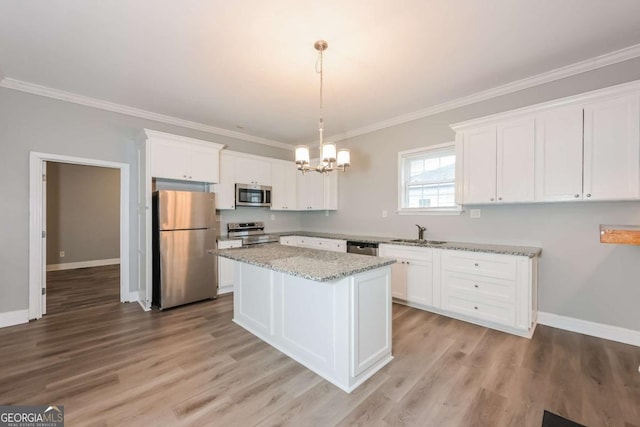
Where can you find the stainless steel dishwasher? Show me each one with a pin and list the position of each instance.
(362, 248)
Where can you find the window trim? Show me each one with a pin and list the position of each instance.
(402, 155)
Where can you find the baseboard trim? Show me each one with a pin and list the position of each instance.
(600, 330)
(11, 318)
(83, 264)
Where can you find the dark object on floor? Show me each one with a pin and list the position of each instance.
(549, 419)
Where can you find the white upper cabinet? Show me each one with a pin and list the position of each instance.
(331, 191)
(226, 189)
(283, 186)
(559, 155)
(515, 161)
(253, 171)
(181, 158)
(499, 163)
(310, 191)
(612, 149)
(479, 165)
(585, 147)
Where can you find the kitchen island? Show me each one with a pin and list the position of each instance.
(329, 311)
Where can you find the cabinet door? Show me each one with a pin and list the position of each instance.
(253, 171)
(331, 191)
(515, 158)
(480, 166)
(559, 155)
(283, 186)
(399, 280)
(169, 160)
(310, 191)
(226, 189)
(204, 164)
(419, 279)
(612, 149)
(226, 275)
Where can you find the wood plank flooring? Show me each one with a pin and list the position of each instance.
(111, 364)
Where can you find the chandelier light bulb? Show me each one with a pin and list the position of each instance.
(302, 155)
(329, 152)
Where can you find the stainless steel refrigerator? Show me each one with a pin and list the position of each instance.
(184, 241)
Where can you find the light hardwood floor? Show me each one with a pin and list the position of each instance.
(113, 364)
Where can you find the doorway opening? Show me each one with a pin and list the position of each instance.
(82, 222)
(38, 229)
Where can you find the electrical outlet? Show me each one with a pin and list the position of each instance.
(384, 214)
(326, 213)
(273, 217)
(475, 213)
(61, 254)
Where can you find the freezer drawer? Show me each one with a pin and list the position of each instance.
(182, 210)
(188, 266)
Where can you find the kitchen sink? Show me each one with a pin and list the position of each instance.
(418, 241)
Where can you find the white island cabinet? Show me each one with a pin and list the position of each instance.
(338, 326)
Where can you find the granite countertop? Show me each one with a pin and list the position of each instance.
(312, 264)
(527, 251)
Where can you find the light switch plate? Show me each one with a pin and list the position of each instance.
(384, 214)
(475, 213)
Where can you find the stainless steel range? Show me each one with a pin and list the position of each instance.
(251, 233)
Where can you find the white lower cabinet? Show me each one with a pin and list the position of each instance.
(412, 275)
(483, 287)
(334, 245)
(226, 272)
(493, 290)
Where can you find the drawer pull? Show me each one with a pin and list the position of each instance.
(476, 264)
(475, 286)
(475, 307)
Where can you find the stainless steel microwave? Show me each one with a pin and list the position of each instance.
(253, 195)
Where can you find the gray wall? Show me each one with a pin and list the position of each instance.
(579, 277)
(34, 123)
(83, 213)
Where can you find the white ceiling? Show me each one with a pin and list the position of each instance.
(248, 65)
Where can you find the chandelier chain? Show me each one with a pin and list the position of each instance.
(321, 71)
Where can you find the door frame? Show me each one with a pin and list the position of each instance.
(37, 251)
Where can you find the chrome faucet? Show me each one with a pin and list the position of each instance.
(421, 231)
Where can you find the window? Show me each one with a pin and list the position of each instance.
(427, 180)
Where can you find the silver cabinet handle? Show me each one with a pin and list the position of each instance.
(475, 286)
(576, 196)
(491, 199)
(499, 198)
(475, 307)
(588, 194)
(476, 264)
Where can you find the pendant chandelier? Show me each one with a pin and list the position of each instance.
(330, 160)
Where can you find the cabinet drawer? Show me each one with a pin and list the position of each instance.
(406, 252)
(489, 265)
(481, 308)
(228, 244)
(332, 245)
(495, 289)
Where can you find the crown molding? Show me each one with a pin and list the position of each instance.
(61, 95)
(594, 63)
